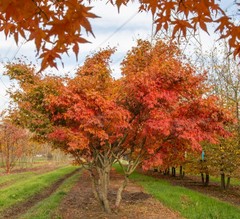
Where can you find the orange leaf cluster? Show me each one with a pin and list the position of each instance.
(170, 111)
(53, 25)
(85, 113)
(57, 26)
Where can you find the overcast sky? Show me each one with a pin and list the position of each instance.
(112, 29)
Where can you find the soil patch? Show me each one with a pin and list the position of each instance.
(21, 208)
(80, 203)
(231, 195)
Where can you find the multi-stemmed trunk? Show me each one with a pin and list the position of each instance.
(120, 191)
(225, 182)
(100, 176)
(100, 169)
(181, 172)
(205, 180)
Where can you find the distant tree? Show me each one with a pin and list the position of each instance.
(220, 159)
(224, 76)
(12, 140)
(198, 163)
(224, 160)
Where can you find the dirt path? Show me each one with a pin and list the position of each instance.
(21, 208)
(80, 203)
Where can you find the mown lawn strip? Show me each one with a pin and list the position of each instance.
(22, 190)
(190, 204)
(16, 177)
(10, 179)
(47, 208)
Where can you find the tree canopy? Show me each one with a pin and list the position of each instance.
(159, 107)
(57, 26)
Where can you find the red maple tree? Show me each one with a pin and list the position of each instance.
(159, 107)
(170, 109)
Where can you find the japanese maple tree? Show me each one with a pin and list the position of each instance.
(57, 26)
(158, 107)
(89, 123)
(79, 115)
(170, 109)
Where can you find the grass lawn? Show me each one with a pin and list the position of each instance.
(47, 208)
(16, 177)
(23, 189)
(234, 181)
(12, 178)
(190, 204)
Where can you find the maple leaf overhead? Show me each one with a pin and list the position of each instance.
(50, 24)
(56, 26)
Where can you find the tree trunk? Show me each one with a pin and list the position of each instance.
(120, 190)
(181, 171)
(8, 163)
(100, 173)
(2, 163)
(206, 180)
(7, 168)
(202, 177)
(166, 172)
(95, 187)
(173, 171)
(228, 182)
(103, 188)
(223, 186)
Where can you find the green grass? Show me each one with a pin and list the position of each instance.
(48, 207)
(15, 177)
(234, 181)
(190, 204)
(38, 162)
(24, 189)
(217, 179)
(12, 178)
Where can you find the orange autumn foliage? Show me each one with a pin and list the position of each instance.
(12, 142)
(85, 114)
(159, 107)
(171, 111)
(57, 26)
